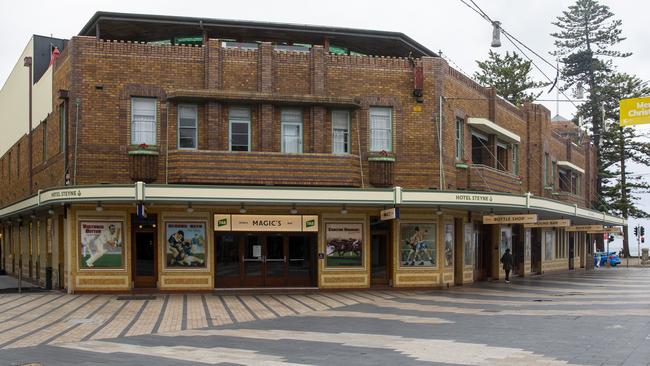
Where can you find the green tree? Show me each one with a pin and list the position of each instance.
(584, 45)
(510, 75)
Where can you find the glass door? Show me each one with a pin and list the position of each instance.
(253, 261)
(228, 260)
(275, 261)
(144, 267)
(301, 259)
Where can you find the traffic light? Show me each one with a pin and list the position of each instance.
(610, 239)
(642, 231)
(642, 240)
(636, 231)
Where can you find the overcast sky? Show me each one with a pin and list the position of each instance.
(445, 25)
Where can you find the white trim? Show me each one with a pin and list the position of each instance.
(570, 165)
(492, 128)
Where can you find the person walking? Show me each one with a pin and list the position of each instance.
(506, 259)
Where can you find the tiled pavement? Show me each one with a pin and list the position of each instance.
(577, 318)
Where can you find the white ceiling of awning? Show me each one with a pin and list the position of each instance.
(487, 126)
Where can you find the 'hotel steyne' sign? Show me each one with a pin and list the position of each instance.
(279, 223)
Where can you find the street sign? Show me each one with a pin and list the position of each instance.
(550, 223)
(389, 214)
(510, 219)
(141, 211)
(634, 111)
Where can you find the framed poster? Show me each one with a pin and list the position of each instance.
(527, 245)
(506, 240)
(548, 245)
(417, 244)
(185, 244)
(343, 244)
(449, 245)
(101, 244)
(468, 243)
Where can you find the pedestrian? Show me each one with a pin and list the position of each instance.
(598, 260)
(506, 259)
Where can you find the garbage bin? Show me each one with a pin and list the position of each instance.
(48, 278)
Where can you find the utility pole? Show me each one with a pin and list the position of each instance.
(624, 206)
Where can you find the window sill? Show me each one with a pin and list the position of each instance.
(381, 158)
(143, 152)
(462, 165)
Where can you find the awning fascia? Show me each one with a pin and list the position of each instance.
(487, 126)
(570, 165)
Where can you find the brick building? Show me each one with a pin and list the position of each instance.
(185, 153)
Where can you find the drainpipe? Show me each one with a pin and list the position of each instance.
(442, 174)
(76, 139)
(28, 64)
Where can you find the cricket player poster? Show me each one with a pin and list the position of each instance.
(417, 245)
(102, 244)
(185, 244)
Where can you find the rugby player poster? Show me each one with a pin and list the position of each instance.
(344, 244)
(185, 244)
(102, 244)
(417, 245)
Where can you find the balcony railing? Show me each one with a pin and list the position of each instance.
(143, 165)
(570, 198)
(263, 168)
(485, 178)
(381, 171)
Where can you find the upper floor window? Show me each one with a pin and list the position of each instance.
(480, 150)
(547, 166)
(502, 156)
(515, 159)
(381, 129)
(565, 180)
(187, 126)
(460, 137)
(239, 119)
(340, 132)
(575, 183)
(143, 121)
(291, 120)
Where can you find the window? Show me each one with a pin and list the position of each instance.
(515, 159)
(143, 121)
(240, 128)
(575, 182)
(546, 168)
(502, 156)
(44, 140)
(480, 151)
(187, 127)
(340, 132)
(553, 173)
(381, 134)
(291, 120)
(565, 180)
(460, 137)
(62, 121)
(561, 245)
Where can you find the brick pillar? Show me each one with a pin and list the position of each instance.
(217, 136)
(318, 129)
(317, 67)
(265, 68)
(214, 63)
(266, 131)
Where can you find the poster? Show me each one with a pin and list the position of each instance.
(527, 244)
(344, 244)
(185, 244)
(506, 240)
(548, 245)
(468, 241)
(417, 245)
(449, 245)
(102, 244)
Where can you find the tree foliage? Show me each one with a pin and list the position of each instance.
(510, 75)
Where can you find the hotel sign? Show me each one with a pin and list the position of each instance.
(585, 228)
(510, 219)
(389, 214)
(550, 223)
(276, 223)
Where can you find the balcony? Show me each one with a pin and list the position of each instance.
(570, 198)
(263, 168)
(485, 178)
(143, 164)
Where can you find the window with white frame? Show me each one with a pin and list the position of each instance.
(240, 128)
(187, 126)
(291, 120)
(143, 121)
(340, 132)
(460, 137)
(381, 129)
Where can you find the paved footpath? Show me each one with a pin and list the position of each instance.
(577, 318)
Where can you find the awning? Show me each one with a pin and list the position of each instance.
(570, 165)
(487, 126)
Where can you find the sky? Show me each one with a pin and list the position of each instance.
(440, 25)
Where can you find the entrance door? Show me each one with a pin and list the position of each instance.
(518, 239)
(536, 251)
(253, 261)
(143, 252)
(483, 264)
(302, 256)
(275, 261)
(571, 249)
(380, 274)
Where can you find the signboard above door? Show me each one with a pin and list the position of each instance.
(275, 223)
(510, 219)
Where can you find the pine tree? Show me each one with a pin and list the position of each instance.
(584, 45)
(509, 75)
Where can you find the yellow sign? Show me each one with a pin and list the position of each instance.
(550, 223)
(635, 111)
(510, 219)
(278, 223)
(584, 228)
(417, 108)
